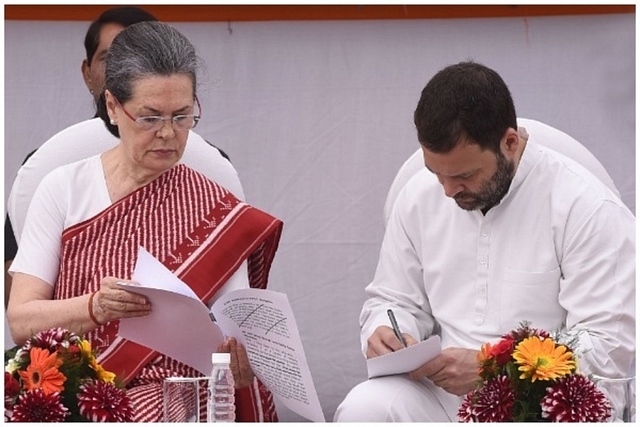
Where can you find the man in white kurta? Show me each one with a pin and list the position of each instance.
(557, 250)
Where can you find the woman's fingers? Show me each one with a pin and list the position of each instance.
(242, 373)
(112, 302)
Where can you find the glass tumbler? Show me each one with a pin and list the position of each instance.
(621, 393)
(180, 400)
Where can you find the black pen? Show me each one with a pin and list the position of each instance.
(395, 327)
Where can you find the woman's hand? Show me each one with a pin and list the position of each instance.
(112, 302)
(240, 366)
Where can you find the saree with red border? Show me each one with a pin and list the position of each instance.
(200, 232)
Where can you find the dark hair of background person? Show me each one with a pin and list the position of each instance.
(125, 16)
(464, 101)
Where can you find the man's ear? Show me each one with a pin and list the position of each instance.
(510, 142)
(85, 69)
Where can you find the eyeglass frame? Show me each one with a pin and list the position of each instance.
(137, 120)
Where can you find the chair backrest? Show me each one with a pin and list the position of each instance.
(91, 137)
(543, 134)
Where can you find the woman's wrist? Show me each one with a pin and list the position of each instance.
(92, 315)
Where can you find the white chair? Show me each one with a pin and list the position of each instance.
(91, 137)
(541, 133)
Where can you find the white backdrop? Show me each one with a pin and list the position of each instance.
(317, 118)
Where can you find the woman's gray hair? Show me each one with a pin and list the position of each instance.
(142, 50)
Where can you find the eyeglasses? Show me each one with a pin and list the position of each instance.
(155, 123)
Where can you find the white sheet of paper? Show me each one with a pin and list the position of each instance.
(180, 327)
(177, 326)
(405, 360)
(264, 323)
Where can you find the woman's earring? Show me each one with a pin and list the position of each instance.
(113, 122)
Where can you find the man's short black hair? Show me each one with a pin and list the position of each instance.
(125, 16)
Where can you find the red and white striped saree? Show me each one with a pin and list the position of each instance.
(199, 231)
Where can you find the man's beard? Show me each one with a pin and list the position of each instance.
(492, 191)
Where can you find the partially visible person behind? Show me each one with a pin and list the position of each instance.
(509, 232)
(98, 39)
(96, 42)
(88, 220)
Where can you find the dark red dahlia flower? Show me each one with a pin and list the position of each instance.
(575, 399)
(493, 402)
(50, 339)
(465, 411)
(104, 402)
(35, 406)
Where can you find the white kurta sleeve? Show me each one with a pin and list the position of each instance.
(598, 288)
(398, 283)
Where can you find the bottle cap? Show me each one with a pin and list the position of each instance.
(220, 358)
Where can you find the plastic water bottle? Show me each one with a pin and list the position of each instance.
(221, 396)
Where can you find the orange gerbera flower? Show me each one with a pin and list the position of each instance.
(484, 353)
(542, 360)
(43, 372)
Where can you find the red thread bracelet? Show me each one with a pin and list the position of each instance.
(91, 315)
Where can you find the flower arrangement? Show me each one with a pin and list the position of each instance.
(530, 376)
(55, 377)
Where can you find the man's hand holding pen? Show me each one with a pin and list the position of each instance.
(386, 339)
(455, 369)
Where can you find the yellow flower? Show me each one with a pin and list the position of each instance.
(85, 347)
(43, 372)
(542, 360)
(102, 374)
